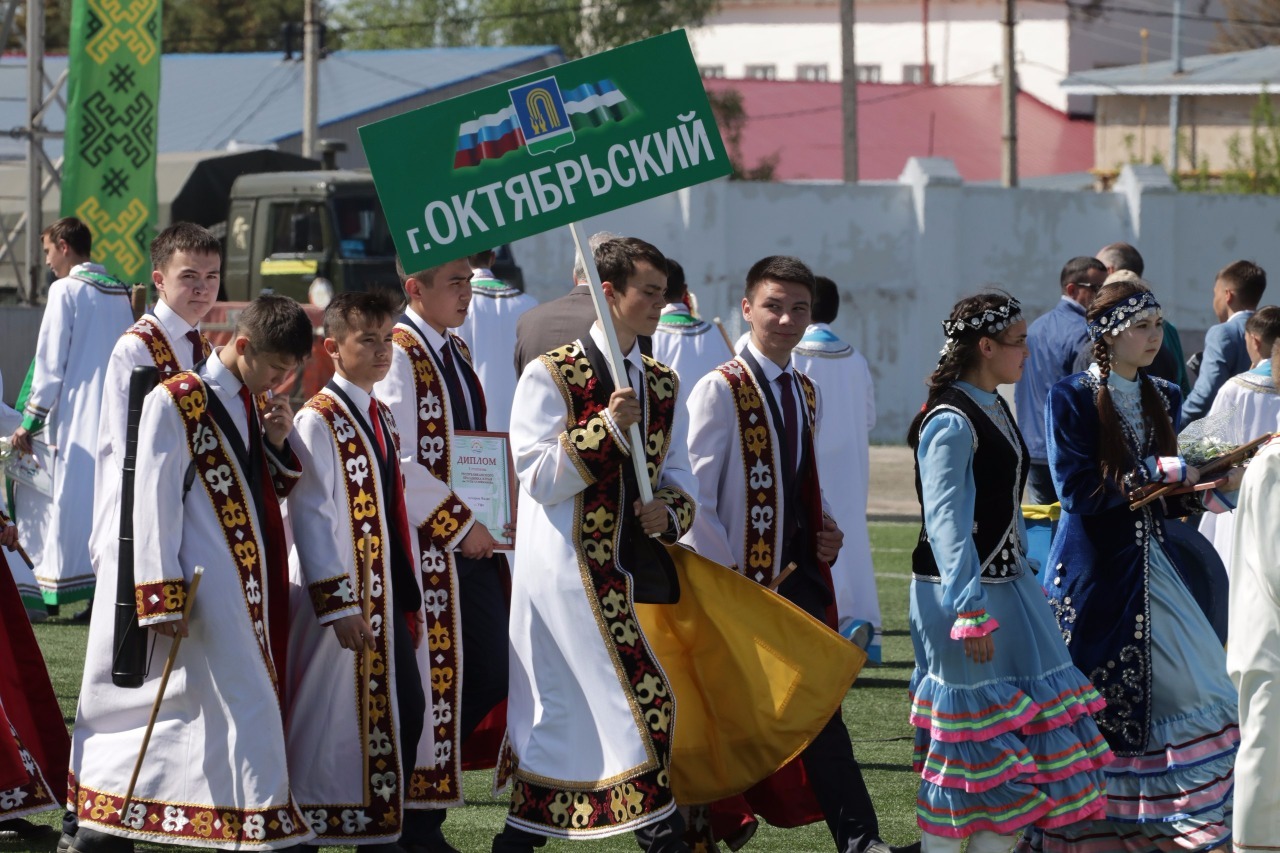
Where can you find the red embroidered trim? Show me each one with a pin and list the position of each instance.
(567, 812)
(32, 797)
(160, 598)
(332, 595)
(440, 784)
(221, 479)
(150, 333)
(209, 824)
(383, 792)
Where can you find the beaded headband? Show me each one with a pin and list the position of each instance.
(1140, 306)
(988, 321)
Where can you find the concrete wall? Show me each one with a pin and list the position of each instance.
(904, 253)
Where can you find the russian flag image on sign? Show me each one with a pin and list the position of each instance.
(540, 118)
(544, 121)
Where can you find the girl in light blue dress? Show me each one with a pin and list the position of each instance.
(1004, 736)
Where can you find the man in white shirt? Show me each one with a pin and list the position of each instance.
(86, 311)
(490, 331)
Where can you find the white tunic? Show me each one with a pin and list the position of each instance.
(692, 348)
(215, 774)
(570, 722)
(490, 333)
(842, 374)
(719, 530)
(1256, 403)
(1253, 653)
(326, 760)
(424, 495)
(81, 324)
(129, 352)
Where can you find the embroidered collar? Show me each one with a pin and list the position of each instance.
(1137, 307)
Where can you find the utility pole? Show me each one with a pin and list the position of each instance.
(310, 76)
(1174, 105)
(1009, 89)
(849, 92)
(35, 149)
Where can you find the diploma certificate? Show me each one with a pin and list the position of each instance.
(480, 472)
(34, 469)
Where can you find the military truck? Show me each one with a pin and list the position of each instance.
(311, 234)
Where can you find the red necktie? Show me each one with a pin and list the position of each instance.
(377, 428)
(197, 347)
(275, 559)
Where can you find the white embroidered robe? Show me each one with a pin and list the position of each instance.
(216, 773)
(844, 379)
(1253, 653)
(80, 326)
(490, 333)
(1256, 403)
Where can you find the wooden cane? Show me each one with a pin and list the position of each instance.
(366, 658)
(782, 575)
(724, 334)
(1145, 495)
(164, 682)
(17, 548)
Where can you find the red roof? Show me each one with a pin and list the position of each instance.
(801, 122)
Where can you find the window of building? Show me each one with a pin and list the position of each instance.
(916, 74)
(814, 73)
(868, 73)
(762, 72)
(711, 72)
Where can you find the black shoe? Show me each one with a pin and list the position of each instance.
(64, 843)
(91, 841)
(18, 829)
(913, 847)
(432, 842)
(83, 616)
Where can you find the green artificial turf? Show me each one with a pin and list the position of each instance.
(875, 711)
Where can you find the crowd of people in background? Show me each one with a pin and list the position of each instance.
(347, 637)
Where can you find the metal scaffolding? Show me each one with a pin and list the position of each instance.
(43, 172)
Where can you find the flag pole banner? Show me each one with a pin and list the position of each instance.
(113, 95)
(545, 150)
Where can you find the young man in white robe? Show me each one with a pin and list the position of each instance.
(1254, 403)
(590, 709)
(844, 381)
(86, 312)
(1253, 636)
(350, 496)
(490, 332)
(433, 391)
(753, 424)
(689, 346)
(213, 462)
(186, 268)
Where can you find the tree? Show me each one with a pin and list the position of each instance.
(731, 117)
(389, 24)
(1250, 24)
(225, 26)
(582, 27)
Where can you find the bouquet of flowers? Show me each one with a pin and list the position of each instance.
(1213, 445)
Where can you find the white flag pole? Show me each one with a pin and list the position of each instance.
(613, 354)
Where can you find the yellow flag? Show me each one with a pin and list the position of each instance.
(755, 677)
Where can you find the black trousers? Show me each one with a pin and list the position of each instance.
(665, 836)
(411, 698)
(482, 601)
(828, 761)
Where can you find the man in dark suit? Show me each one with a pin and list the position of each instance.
(560, 321)
(1236, 293)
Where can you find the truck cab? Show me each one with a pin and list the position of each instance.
(306, 235)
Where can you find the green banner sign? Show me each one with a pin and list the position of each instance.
(545, 150)
(113, 89)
